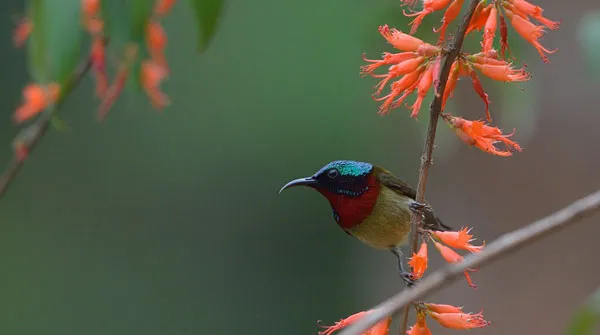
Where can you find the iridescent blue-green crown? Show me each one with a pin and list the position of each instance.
(349, 168)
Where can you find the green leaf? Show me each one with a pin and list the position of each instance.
(140, 11)
(207, 14)
(116, 23)
(55, 42)
(126, 23)
(589, 40)
(59, 124)
(36, 44)
(587, 317)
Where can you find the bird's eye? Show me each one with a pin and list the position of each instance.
(332, 173)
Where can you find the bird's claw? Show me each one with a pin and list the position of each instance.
(408, 278)
(419, 208)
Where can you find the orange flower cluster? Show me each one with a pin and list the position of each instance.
(156, 69)
(153, 70)
(518, 13)
(444, 242)
(486, 17)
(22, 32)
(417, 67)
(37, 98)
(94, 25)
(447, 316)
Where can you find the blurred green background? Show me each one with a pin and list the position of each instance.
(170, 223)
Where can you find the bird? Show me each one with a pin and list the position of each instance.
(371, 204)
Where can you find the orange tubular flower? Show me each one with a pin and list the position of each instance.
(504, 72)
(91, 22)
(398, 70)
(118, 84)
(156, 41)
(90, 7)
(37, 98)
(484, 96)
(435, 73)
(451, 83)
(530, 32)
(452, 257)
(460, 320)
(400, 40)
(418, 262)
(479, 17)
(381, 328)
(534, 11)
(438, 308)
(405, 84)
(162, 7)
(113, 92)
(99, 66)
(484, 137)
(458, 239)
(449, 16)
(422, 89)
(388, 59)
(503, 37)
(490, 58)
(489, 30)
(429, 6)
(151, 76)
(22, 32)
(420, 327)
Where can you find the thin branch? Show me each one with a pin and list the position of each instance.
(504, 245)
(31, 136)
(435, 109)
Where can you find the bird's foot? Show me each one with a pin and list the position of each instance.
(419, 208)
(408, 278)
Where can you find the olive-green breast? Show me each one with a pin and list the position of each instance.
(389, 224)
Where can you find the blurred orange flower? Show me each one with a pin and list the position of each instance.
(152, 75)
(37, 98)
(162, 7)
(22, 32)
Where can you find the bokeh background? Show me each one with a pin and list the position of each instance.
(170, 223)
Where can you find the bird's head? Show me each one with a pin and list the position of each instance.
(350, 187)
(341, 178)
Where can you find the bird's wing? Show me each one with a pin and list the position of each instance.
(431, 221)
(397, 185)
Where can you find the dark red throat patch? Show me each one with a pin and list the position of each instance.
(353, 211)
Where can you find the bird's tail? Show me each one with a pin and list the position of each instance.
(441, 224)
(432, 222)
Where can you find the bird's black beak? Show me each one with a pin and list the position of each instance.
(308, 181)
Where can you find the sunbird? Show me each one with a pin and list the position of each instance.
(371, 204)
